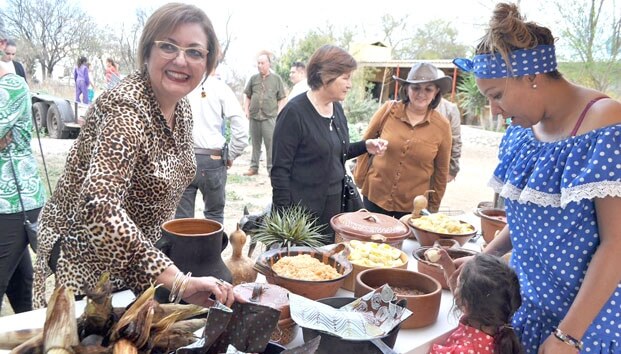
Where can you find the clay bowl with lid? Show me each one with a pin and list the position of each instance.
(311, 289)
(492, 220)
(422, 292)
(428, 237)
(434, 270)
(363, 225)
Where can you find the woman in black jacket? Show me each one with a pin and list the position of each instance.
(311, 140)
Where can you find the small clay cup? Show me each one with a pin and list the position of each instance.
(434, 270)
(492, 220)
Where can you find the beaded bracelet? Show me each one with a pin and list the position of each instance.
(567, 339)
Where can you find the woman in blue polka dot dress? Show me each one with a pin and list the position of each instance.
(560, 175)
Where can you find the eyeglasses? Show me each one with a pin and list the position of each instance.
(171, 51)
(427, 90)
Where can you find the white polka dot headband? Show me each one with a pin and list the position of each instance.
(538, 60)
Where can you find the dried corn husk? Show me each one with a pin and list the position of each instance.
(173, 339)
(135, 324)
(10, 340)
(123, 346)
(92, 349)
(60, 331)
(98, 316)
(181, 311)
(34, 345)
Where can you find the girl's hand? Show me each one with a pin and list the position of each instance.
(200, 289)
(376, 146)
(553, 345)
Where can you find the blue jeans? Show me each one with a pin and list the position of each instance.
(210, 179)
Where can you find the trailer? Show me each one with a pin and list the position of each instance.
(60, 117)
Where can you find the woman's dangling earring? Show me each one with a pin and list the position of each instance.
(203, 93)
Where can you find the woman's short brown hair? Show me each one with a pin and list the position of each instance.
(165, 19)
(328, 63)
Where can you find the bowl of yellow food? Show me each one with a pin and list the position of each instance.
(429, 228)
(365, 255)
(306, 271)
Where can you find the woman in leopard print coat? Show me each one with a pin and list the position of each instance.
(128, 168)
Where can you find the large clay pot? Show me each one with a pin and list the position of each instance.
(195, 245)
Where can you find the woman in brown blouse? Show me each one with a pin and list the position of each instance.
(128, 168)
(419, 146)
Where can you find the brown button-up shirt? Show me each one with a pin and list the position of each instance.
(417, 159)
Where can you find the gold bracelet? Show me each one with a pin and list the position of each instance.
(184, 285)
(175, 287)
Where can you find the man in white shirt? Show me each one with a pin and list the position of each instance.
(297, 75)
(213, 105)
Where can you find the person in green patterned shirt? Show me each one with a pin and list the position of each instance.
(16, 155)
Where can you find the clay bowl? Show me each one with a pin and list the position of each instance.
(330, 344)
(425, 306)
(434, 270)
(427, 238)
(311, 289)
(350, 280)
(492, 220)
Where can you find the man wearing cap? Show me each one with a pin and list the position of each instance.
(419, 146)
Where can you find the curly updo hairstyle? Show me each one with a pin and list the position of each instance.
(508, 31)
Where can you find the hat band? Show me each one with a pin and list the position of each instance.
(538, 60)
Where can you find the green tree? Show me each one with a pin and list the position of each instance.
(593, 30)
(301, 50)
(436, 39)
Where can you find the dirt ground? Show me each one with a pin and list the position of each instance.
(479, 156)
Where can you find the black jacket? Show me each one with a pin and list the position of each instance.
(19, 69)
(300, 152)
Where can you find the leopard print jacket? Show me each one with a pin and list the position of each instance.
(123, 178)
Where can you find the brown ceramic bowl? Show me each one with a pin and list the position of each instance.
(427, 238)
(425, 307)
(434, 270)
(492, 220)
(350, 280)
(311, 289)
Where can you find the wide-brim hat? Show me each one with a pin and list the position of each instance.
(422, 73)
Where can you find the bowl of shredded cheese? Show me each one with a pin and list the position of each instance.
(305, 271)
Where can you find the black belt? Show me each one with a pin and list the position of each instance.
(201, 151)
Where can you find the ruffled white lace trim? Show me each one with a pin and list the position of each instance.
(568, 195)
(590, 191)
